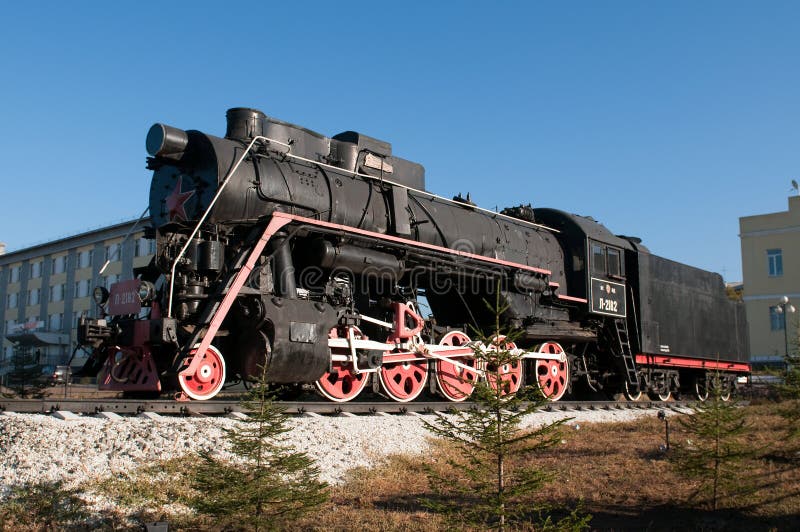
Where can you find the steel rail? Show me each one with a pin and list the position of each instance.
(194, 408)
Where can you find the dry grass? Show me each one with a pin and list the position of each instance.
(616, 470)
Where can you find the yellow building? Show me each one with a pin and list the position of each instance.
(771, 271)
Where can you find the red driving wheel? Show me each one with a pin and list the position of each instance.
(454, 381)
(342, 383)
(552, 375)
(509, 374)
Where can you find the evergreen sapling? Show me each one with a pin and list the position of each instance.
(486, 482)
(790, 390)
(717, 451)
(269, 483)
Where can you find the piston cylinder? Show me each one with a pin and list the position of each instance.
(357, 260)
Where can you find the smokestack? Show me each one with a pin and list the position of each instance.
(244, 123)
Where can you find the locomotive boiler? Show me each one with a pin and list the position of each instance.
(324, 260)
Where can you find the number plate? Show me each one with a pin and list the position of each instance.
(123, 298)
(608, 298)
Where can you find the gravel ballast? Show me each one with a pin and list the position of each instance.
(42, 448)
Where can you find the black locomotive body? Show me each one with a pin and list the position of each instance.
(311, 256)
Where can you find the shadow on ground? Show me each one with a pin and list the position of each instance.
(656, 518)
(686, 518)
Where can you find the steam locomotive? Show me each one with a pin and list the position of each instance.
(324, 260)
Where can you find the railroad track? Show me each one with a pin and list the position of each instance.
(220, 407)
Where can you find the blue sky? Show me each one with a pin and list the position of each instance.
(666, 120)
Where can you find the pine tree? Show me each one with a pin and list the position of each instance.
(480, 486)
(269, 483)
(42, 506)
(717, 450)
(790, 391)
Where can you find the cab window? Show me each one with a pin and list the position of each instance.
(614, 266)
(598, 259)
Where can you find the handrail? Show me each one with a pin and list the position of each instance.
(206, 213)
(338, 169)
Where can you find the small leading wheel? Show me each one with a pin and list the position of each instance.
(207, 380)
(403, 381)
(509, 373)
(454, 381)
(700, 389)
(631, 393)
(552, 375)
(341, 383)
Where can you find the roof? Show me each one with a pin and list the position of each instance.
(71, 242)
(564, 221)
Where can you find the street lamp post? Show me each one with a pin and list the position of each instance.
(784, 307)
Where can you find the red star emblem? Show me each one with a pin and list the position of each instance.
(176, 200)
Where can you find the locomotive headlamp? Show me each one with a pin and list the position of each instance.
(146, 291)
(100, 295)
(165, 140)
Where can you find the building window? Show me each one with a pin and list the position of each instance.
(59, 264)
(85, 258)
(11, 300)
(36, 269)
(776, 322)
(144, 247)
(82, 288)
(108, 280)
(55, 321)
(57, 292)
(14, 275)
(33, 296)
(112, 252)
(775, 262)
(10, 324)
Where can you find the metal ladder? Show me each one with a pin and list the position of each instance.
(623, 342)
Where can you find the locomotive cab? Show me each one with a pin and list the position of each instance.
(667, 326)
(594, 258)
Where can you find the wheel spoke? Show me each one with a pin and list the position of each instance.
(455, 382)
(552, 376)
(509, 376)
(341, 383)
(403, 381)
